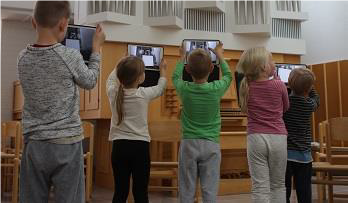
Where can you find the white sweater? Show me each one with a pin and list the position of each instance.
(135, 106)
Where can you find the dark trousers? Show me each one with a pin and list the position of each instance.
(302, 173)
(131, 158)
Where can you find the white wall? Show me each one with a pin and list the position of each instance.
(25, 5)
(326, 31)
(15, 36)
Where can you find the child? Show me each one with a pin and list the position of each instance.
(129, 129)
(199, 154)
(50, 75)
(264, 100)
(303, 101)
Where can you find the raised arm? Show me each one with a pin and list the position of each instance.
(86, 76)
(156, 91)
(314, 99)
(223, 84)
(177, 74)
(112, 83)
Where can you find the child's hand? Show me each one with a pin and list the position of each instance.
(98, 38)
(182, 52)
(218, 51)
(275, 76)
(163, 68)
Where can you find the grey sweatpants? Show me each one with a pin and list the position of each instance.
(267, 157)
(46, 164)
(199, 158)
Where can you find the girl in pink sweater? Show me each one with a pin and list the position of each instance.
(264, 98)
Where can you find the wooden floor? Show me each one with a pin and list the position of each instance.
(101, 195)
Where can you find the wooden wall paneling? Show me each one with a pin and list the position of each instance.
(332, 90)
(232, 54)
(344, 87)
(168, 108)
(102, 154)
(229, 100)
(82, 99)
(343, 73)
(296, 59)
(92, 98)
(278, 58)
(320, 114)
(112, 52)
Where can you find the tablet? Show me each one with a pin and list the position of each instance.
(192, 44)
(283, 70)
(152, 56)
(81, 38)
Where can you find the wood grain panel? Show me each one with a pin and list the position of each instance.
(288, 58)
(112, 52)
(320, 114)
(333, 109)
(344, 87)
(82, 99)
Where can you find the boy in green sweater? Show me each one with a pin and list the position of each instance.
(199, 154)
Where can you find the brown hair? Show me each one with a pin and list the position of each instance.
(199, 62)
(129, 69)
(252, 64)
(301, 81)
(48, 13)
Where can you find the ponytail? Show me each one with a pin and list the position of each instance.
(244, 95)
(119, 104)
(129, 69)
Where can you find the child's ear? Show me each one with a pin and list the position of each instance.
(63, 24)
(187, 68)
(33, 23)
(211, 67)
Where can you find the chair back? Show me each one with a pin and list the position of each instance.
(88, 133)
(337, 131)
(322, 135)
(339, 128)
(11, 137)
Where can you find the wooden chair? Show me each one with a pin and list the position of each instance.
(165, 132)
(332, 159)
(88, 132)
(10, 157)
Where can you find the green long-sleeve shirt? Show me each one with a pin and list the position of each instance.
(200, 117)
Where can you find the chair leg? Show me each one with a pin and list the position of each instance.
(88, 177)
(174, 182)
(330, 190)
(15, 181)
(91, 177)
(320, 188)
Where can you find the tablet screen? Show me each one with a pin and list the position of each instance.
(152, 56)
(192, 44)
(283, 70)
(81, 38)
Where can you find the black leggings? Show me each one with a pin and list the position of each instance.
(302, 173)
(131, 158)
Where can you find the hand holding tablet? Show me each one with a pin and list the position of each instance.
(283, 70)
(191, 44)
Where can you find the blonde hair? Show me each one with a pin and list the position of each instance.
(252, 64)
(199, 62)
(301, 81)
(129, 69)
